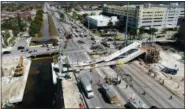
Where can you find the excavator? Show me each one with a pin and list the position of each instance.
(19, 71)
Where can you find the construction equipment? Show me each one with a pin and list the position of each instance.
(109, 94)
(20, 68)
(114, 81)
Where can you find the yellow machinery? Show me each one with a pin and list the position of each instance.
(20, 68)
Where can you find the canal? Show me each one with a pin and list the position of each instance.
(45, 29)
(40, 90)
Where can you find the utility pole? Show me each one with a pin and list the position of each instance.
(88, 22)
(126, 31)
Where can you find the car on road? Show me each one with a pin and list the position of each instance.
(6, 52)
(94, 42)
(53, 47)
(81, 42)
(55, 44)
(109, 39)
(81, 35)
(30, 52)
(105, 44)
(153, 107)
(92, 38)
(20, 47)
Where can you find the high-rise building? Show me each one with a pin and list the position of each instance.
(148, 15)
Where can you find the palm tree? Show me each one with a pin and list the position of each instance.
(132, 32)
(152, 32)
(141, 31)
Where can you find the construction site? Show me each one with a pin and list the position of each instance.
(151, 59)
(14, 78)
(139, 74)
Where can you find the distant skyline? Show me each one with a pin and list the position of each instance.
(97, 2)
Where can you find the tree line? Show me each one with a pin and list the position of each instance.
(15, 24)
(36, 23)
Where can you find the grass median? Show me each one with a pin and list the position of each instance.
(52, 29)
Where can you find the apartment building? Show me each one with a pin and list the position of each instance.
(148, 15)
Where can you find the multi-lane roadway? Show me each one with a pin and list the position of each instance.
(155, 94)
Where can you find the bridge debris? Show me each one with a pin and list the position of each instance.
(152, 54)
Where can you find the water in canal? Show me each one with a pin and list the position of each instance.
(45, 29)
(40, 91)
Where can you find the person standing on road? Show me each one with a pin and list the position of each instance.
(126, 85)
(170, 97)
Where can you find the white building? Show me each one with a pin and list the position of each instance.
(148, 15)
(101, 21)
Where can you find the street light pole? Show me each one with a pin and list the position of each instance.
(88, 22)
(126, 31)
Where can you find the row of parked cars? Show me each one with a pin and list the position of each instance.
(23, 49)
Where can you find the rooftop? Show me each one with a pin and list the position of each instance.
(100, 17)
(150, 5)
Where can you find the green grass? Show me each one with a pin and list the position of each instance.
(5, 41)
(52, 29)
(55, 59)
(40, 32)
(12, 40)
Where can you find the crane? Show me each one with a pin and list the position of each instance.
(63, 52)
(20, 68)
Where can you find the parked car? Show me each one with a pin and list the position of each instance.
(55, 44)
(109, 39)
(81, 42)
(30, 52)
(20, 47)
(6, 52)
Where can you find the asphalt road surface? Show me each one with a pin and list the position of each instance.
(97, 100)
(156, 94)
